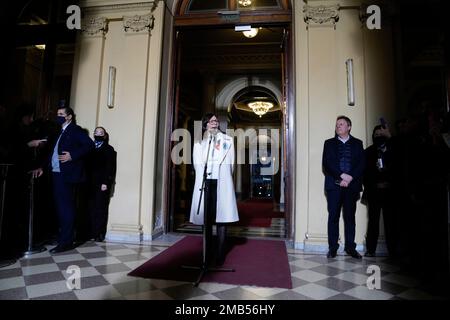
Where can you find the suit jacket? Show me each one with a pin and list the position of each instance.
(76, 141)
(372, 175)
(226, 198)
(330, 163)
(102, 165)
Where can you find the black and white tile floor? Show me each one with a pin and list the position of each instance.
(104, 268)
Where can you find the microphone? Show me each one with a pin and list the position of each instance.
(212, 134)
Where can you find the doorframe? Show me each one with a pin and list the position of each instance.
(289, 119)
(290, 132)
(282, 14)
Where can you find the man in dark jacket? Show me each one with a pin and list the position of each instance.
(67, 163)
(378, 189)
(343, 165)
(102, 172)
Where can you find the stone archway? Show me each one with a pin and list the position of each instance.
(225, 96)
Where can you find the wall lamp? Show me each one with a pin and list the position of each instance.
(350, 83)
(111, 86)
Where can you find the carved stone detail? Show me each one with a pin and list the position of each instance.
(321, 14)
(138, 23)
(94, 26)
(137, 6)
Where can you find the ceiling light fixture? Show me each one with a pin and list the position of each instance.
(245, 3)
(260, 108)
(251, 33)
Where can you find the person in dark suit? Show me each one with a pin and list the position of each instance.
(343, 165)
(102, 173)
(379, 190)
(67, 163)
(21, 154)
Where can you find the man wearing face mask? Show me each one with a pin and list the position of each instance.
(378, 190)
(67, 164)
(102, 172)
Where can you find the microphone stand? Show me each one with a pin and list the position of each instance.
(3, 175)
(32, 249)
(204, 268)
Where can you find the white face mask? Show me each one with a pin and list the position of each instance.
(213, 131)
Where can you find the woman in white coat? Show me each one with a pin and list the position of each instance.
(219, 195)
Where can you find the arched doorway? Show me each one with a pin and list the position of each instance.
(219, 69)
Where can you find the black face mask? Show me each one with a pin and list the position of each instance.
(99, 138)
(379, 141)
(60, 120)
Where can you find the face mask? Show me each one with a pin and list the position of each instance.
(99, 138)
(379, 141)
(60, 120)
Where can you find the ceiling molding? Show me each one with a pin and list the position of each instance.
(90, 8)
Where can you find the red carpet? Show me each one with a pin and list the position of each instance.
(260, 263)
(256, 213)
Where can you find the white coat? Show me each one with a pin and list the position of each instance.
(226, 198)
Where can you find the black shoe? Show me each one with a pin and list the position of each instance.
(59, 248)
(52, 242)
(355, 254)
(7, 262)
(369, 254)
(331, 254)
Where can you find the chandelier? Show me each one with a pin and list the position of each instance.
(260, 107)
(245, 3)
(251, 33)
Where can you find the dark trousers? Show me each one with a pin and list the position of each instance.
(210, 219)
(342, 198)
(64, 196)
(380, 199)
(14, 211)
(98, 210)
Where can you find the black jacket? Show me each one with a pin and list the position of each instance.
(102, 164)
(76, 141)
(330, 163)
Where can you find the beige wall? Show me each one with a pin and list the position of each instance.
(136, 55)
(321, 50)
(322, 47)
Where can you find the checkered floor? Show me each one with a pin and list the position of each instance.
(104, 268)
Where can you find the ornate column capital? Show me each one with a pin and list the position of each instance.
(137, 23)
(321, 15)
(94, 26)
